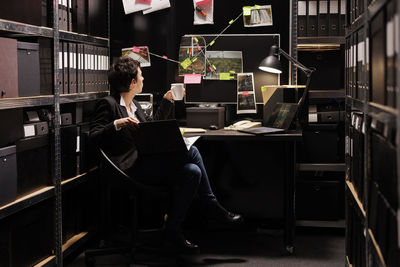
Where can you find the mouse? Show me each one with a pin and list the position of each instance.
(213, 127)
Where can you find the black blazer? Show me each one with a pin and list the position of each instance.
(120, 145)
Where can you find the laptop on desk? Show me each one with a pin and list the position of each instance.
(279, 120)
(155, 137)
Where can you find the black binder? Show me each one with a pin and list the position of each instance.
(66, 67)
(79, 16)
(342, 19)
(72, 68)
(377, 54)
(323, 22)
(312, 20)
(333, 18)
(390, 55)
(302, 18)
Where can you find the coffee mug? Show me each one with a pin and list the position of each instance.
(177, 90)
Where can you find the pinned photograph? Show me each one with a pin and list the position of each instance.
(246, 98)
(139, 53)
(192, 55)
(220, 62)
(256, 16)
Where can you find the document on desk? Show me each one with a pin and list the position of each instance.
(192, 130)
(189, 141)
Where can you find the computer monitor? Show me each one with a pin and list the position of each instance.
(254, 47)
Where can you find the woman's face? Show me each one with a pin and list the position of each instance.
(138, 82)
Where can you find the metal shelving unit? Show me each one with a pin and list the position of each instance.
(320, 44)
(13, 29)
(373, 114)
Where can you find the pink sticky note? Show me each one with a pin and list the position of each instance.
(165, 57)
(198, 47)
(192, 79)
(136, 49)
(245, 92)
(144, 54)
(211, 69)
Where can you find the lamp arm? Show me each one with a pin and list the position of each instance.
(306, 70)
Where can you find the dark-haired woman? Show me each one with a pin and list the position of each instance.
(115, 118)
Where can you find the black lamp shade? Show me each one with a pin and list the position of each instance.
(271, 63)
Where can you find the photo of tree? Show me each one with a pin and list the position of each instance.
(223, 62)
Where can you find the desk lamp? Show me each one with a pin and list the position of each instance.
(272, 64)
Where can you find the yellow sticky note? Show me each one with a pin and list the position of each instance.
(256, 6)
(230, 22)
(212, 43)
(193, 60)
(197, 40)
(232, 71)
(214, 67)
(263, 89)
(246, 11)
(186, 63)
(225, 76)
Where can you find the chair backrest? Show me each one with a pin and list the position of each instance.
(111, 169)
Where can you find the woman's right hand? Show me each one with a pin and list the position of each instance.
(129, 122)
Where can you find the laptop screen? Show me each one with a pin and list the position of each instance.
(155, 137)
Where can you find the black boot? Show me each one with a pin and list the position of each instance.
(174, 241)
(217, 212)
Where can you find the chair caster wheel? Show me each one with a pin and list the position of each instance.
(90, 261)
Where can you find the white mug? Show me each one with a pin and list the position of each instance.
(177, 90)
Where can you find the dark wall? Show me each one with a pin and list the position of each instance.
(162, 31)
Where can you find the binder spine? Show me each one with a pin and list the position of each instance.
(390, 52)
(333, 18)
(323, 23)
(302, 18)
(342, 19)
(312, 21)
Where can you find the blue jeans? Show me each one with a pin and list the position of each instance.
(189, 177)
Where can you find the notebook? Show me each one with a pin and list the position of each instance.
(262, 130)
(155, 137)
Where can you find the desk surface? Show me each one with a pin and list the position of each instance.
(221, 134)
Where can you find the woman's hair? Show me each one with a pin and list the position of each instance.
(121, 74)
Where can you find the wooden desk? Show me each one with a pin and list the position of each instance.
(288, 140)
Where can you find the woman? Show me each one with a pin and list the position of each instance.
(115, 119)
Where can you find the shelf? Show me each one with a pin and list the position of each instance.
(67, 249)
(83, 38)
(22, 102)
(326, 93)
(325, 224)
(26, 201)
(356, 25)
(325, 40)
(375, 7)
(47, 100)
(72, 98)
(382, 113)
(348, 262)
(358, 104)
(377, 248)
(355, 195)
(18, 27)
(77, 180)
(333, 167)
(28, 29)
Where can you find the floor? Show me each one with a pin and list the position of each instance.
(313, 247)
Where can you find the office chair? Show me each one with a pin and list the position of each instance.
(109, 171)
